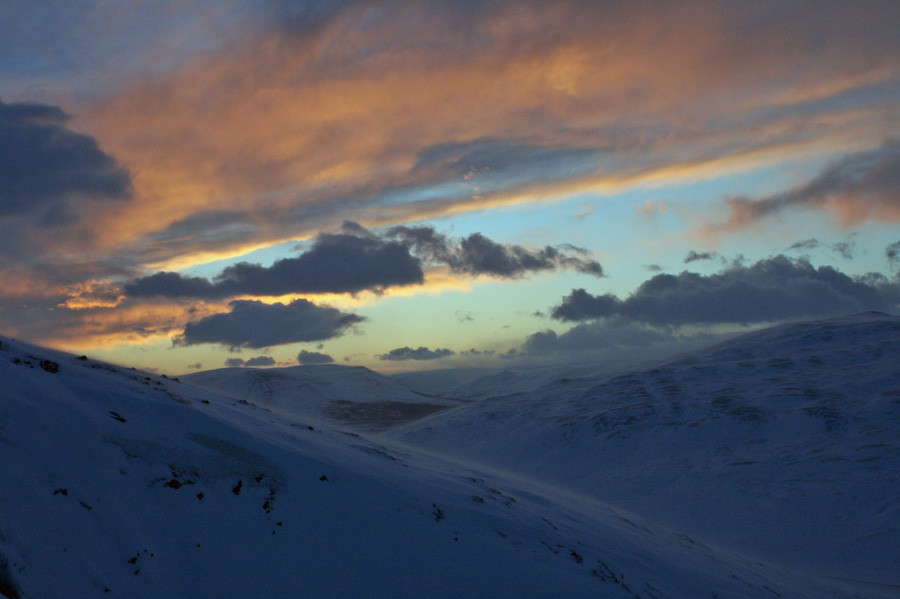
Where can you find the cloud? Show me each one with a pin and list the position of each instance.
(171, 284)
(260, 361)
(421, 353)
(252, 362)
(358, 260)
(581, 305)
(254, 324)
(859, 187)
(694, 256)
(313, 357)
(45, 166)
(588, 102)
(248, 134)
(806, 244)
(650, 209)
(478, 255)
(303, 17)
(773, 289)
(845, 249)
(892, 253)
(477, 352)
(336, 263)
(55, 186)
(492, 164)
(607, 334)
(49, 321)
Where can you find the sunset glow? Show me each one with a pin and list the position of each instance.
(355, 177)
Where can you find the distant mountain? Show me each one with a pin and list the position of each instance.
(353, 396)
(117, 483)
(783, 443)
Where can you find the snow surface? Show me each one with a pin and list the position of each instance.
(353, 396)
(782, 444)
(470, 384)
(116, 483)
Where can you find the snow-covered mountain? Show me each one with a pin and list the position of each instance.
(117, 483)
(783, 444)
(441, 382)
(353, 396)
(473, 384)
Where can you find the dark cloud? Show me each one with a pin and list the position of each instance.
(340, 263)
(421, 353)
(171, 284)
(477, 352)
(234, 362)
(862, 186)
(694, 256)
(313, 357)
(335, 264)
(581, 305)
(892, 253)
(260, 361)
(44, 165)
(774, 289)
(806, 244)
(845, 249)
(595, 336)
(195, 366)
(357, 260)
(254, 324)
(477, 255)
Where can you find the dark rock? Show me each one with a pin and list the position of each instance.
(117, 416)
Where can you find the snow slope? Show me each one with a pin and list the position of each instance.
(353, 396)
(473, 384)
(121, 484)
(782, 444)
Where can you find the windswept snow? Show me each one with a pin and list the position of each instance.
(117, 483)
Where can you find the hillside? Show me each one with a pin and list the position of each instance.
(117, 483)
(781, 444)
(351, 396)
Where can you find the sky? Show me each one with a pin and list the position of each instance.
(436, 184)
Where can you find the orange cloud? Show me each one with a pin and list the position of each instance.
(859, 187)
(105, 326)
(299, 132)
